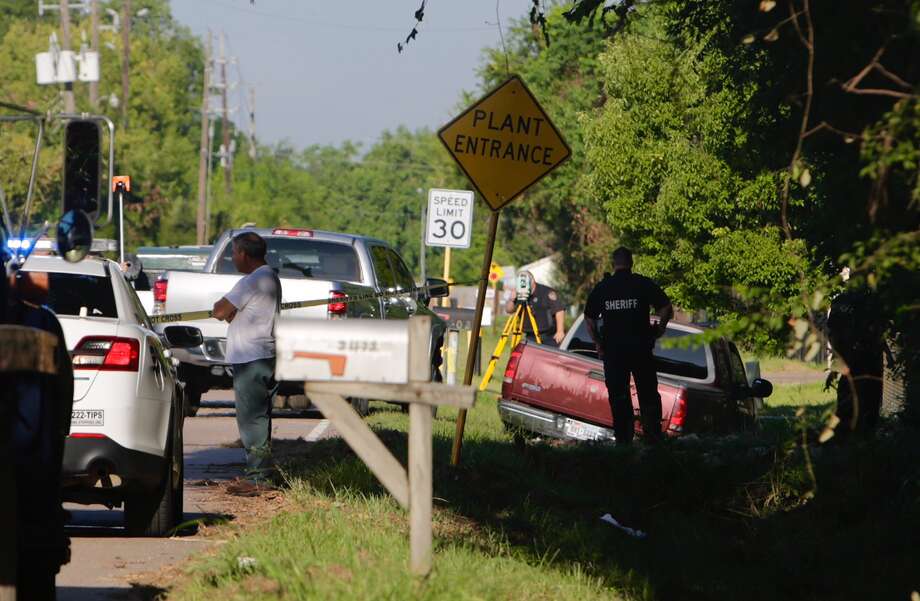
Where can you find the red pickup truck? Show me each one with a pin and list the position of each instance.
(561, 393)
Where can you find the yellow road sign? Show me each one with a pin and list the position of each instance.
(495, 272)
(505, 143)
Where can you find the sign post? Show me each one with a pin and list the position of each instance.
(504, 143)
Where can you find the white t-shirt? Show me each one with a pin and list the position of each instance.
(257, 298)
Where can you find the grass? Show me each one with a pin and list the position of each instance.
(796, 395)
(753, 517)
(782, 364)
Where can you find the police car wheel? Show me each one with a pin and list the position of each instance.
(154, 514)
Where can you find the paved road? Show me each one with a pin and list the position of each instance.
(103, 558)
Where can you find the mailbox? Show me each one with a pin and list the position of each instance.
(342, 350)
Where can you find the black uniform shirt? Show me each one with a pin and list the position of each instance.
(545, 303)
(622, 300)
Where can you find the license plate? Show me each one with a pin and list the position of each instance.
(87, 417)
(580, 430)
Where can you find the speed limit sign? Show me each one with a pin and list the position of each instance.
(450, 218)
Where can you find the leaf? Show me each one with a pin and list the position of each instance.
(772, 36)
(748, 39)
(805, 178)
(767, 5)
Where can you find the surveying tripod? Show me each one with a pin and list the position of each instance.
(515, 329)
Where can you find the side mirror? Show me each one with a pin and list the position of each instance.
(438, 288)
(82, 167)
(761, 388)
(74, 235)
(183, 336)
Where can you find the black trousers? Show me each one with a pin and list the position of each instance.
(621, 361)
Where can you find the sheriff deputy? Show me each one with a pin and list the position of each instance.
(626, 342)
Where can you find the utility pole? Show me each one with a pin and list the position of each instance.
(125, 61)
(201, 229)
(252, 122)
(70, 105)
(225, 123)
(94, 45)
(421, 254)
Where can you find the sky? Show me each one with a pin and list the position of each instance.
(327, 72)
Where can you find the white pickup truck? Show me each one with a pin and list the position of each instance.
(311, 264)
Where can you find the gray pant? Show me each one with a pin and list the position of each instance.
(255, 387)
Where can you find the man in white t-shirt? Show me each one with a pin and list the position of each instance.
(251, 308)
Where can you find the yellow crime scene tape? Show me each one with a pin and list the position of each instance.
(208, 313)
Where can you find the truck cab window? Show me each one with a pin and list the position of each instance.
(385, 277)
(402, 274)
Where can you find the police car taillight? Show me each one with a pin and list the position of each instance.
(293, 233)
(337, 308)
(107, 354)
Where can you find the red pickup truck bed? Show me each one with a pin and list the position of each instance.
(561, 392)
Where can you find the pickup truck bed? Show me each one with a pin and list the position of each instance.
(556, 393)
(561, 392)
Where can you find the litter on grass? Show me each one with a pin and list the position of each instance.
(630, 531)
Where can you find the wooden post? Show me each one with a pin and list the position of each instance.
(477, 323)
(204, 148)
(420, 454)
(69, 103)
(125, 61)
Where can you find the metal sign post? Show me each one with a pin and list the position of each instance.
(504, 143)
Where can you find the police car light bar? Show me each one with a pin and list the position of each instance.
(26, 244)
(99, 244)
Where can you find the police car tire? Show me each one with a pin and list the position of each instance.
(192, 402)
(154, 515)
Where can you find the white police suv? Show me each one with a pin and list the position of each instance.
(125, 443)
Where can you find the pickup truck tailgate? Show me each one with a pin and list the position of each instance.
(570, 384)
